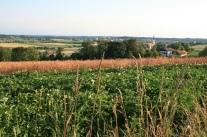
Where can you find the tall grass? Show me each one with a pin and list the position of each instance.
(8, 67)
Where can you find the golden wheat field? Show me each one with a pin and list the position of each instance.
(8, 67)
(14, 45)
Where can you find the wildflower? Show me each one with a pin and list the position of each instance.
(4, 99)
(90, 96)
(92, 81)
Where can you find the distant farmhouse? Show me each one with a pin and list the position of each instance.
(150, 44)
(166, 51)
(51, 53)
(182, 53)
(172, 52)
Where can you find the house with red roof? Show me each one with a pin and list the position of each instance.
(150, 45)
(182, 53)
(50, 53)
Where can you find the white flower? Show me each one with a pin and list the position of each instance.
(92, 81)
(4, 99)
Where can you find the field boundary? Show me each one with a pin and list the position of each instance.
(9, 67)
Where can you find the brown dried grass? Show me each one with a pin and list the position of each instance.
(9, 67)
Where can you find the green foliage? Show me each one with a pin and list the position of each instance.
(5, 54)
(132, 48)
(115, 50)
(89, 51)
(24, 54)
(102, 47)
(203, 53)
(59, 55)
(112, 49)
(176, 46)
(40, 103)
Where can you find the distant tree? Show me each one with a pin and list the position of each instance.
(115, 50)
(24, 54)
(32, 54)
(131, 48)
(59, 55)
(142, 50)
(154, 52)
(102, 46)
(149, 53)
(77, 55)
(43, 56)
(160, 46)
(5, 54)
(176, 46)
(18, 54)
(203, 53)
(186, 46)
(89, 51)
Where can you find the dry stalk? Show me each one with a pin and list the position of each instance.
(74, 107)
(124, 114)
(116, 130)
(89, 133)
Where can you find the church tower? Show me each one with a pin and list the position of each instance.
(153, 41)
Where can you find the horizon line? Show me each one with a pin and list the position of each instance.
(100, 36)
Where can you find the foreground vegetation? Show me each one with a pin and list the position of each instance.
(163, 100)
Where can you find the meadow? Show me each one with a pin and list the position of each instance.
(163, 97)
(68, 48)
(197, 49)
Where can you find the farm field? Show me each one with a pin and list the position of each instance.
(14, 45)
(162, 100)
(197, 48)
(67, 48)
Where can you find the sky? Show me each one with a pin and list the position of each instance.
(138, 18)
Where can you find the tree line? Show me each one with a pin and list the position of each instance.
(124, 49)
(94, 50)
(28, 54)
(18, 54)
(114, 49)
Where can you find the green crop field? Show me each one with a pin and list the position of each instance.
(42, 47)
(56, 45)
(164, 100)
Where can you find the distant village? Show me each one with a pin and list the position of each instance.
(72, 47)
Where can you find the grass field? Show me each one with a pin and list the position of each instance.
(197, 49)
(55, 45)
(67, 48)
(67, 40)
